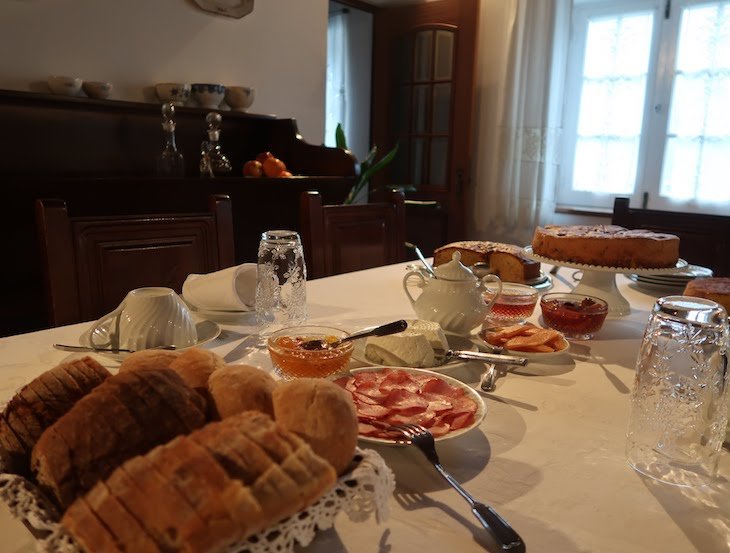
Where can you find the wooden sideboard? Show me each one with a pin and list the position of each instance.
(99, 156)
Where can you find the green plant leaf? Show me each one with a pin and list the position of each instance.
(370, 157)
(340, 139)
(385, 160)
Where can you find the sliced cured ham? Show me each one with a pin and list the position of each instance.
(395, 396)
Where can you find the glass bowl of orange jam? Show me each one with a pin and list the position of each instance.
(292, 360)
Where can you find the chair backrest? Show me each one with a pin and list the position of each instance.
(703, 239)
(343, 238)
(90, 263)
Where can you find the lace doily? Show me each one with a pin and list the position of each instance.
(360, 493)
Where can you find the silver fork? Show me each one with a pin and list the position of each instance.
(508, 539)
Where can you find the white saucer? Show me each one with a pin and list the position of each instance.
(207, 332)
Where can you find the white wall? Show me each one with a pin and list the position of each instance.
(279, 49)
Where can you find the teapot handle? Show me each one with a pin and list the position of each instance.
(407, 277)
(483, 285)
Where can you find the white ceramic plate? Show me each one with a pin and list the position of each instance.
(207, 332)
(531, 355)
(226, 317)
(455, 343)
(470, 392)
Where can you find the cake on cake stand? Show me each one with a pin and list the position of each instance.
(600, 281)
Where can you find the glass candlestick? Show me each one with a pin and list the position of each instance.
(170, 162)
(212, 160)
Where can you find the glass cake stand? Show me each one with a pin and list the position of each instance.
(600, 281)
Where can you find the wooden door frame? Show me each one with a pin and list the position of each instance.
(449, 12)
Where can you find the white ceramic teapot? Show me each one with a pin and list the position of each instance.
(455, 299)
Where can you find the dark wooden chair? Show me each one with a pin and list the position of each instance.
(703, 239)
(90, 263)
(343, 238)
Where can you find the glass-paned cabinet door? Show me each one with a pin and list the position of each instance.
(429, 106)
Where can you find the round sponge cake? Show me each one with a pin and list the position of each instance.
(323, 414)
(716, 289)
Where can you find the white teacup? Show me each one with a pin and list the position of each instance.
(146, 318)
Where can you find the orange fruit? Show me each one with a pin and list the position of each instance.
(252, 168)
(273, 167)
(263, 156)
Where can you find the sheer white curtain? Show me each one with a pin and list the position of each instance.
(337, 76)
(520, 71)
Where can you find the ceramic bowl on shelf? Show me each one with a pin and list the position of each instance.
(97, 89)
(208, 96)
(239, 98)
(68, 86)
(177, 93)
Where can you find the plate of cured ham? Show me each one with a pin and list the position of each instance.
(387, 396)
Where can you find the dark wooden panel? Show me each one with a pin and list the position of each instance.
(162, 252)
(90, 263)
(703, 239)
(343, 238)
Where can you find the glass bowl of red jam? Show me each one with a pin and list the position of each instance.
(292, 359)
(577, 316)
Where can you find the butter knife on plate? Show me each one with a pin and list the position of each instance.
(444, 356)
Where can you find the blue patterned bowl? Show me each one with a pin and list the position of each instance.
(177, 93)
(208, 96)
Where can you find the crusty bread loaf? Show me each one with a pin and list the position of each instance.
(181, 497)
(714, 288)
(115, 517)
(195, 365)
(606, 245)
(505, 260)
(323, 414)
(239, 388)
(148, 359)
(124, 416)
(41, 403)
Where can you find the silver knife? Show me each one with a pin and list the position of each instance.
(65, 347)
(444, 356)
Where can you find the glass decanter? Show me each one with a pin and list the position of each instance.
(170, 162)
(212, 160)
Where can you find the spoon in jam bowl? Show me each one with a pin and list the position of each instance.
(382, 330)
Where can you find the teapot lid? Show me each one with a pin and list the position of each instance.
(454, 269)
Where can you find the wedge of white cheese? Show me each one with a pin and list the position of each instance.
(414, 347)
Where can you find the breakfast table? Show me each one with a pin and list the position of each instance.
(548, 456)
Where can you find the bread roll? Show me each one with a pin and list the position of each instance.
(323, 414)
(148, 359)
(239, 388)
(195, 365)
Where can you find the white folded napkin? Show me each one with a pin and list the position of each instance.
(231, 289)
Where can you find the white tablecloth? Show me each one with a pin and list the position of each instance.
(549, 456)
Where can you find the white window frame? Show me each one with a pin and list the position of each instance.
(660, 78)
